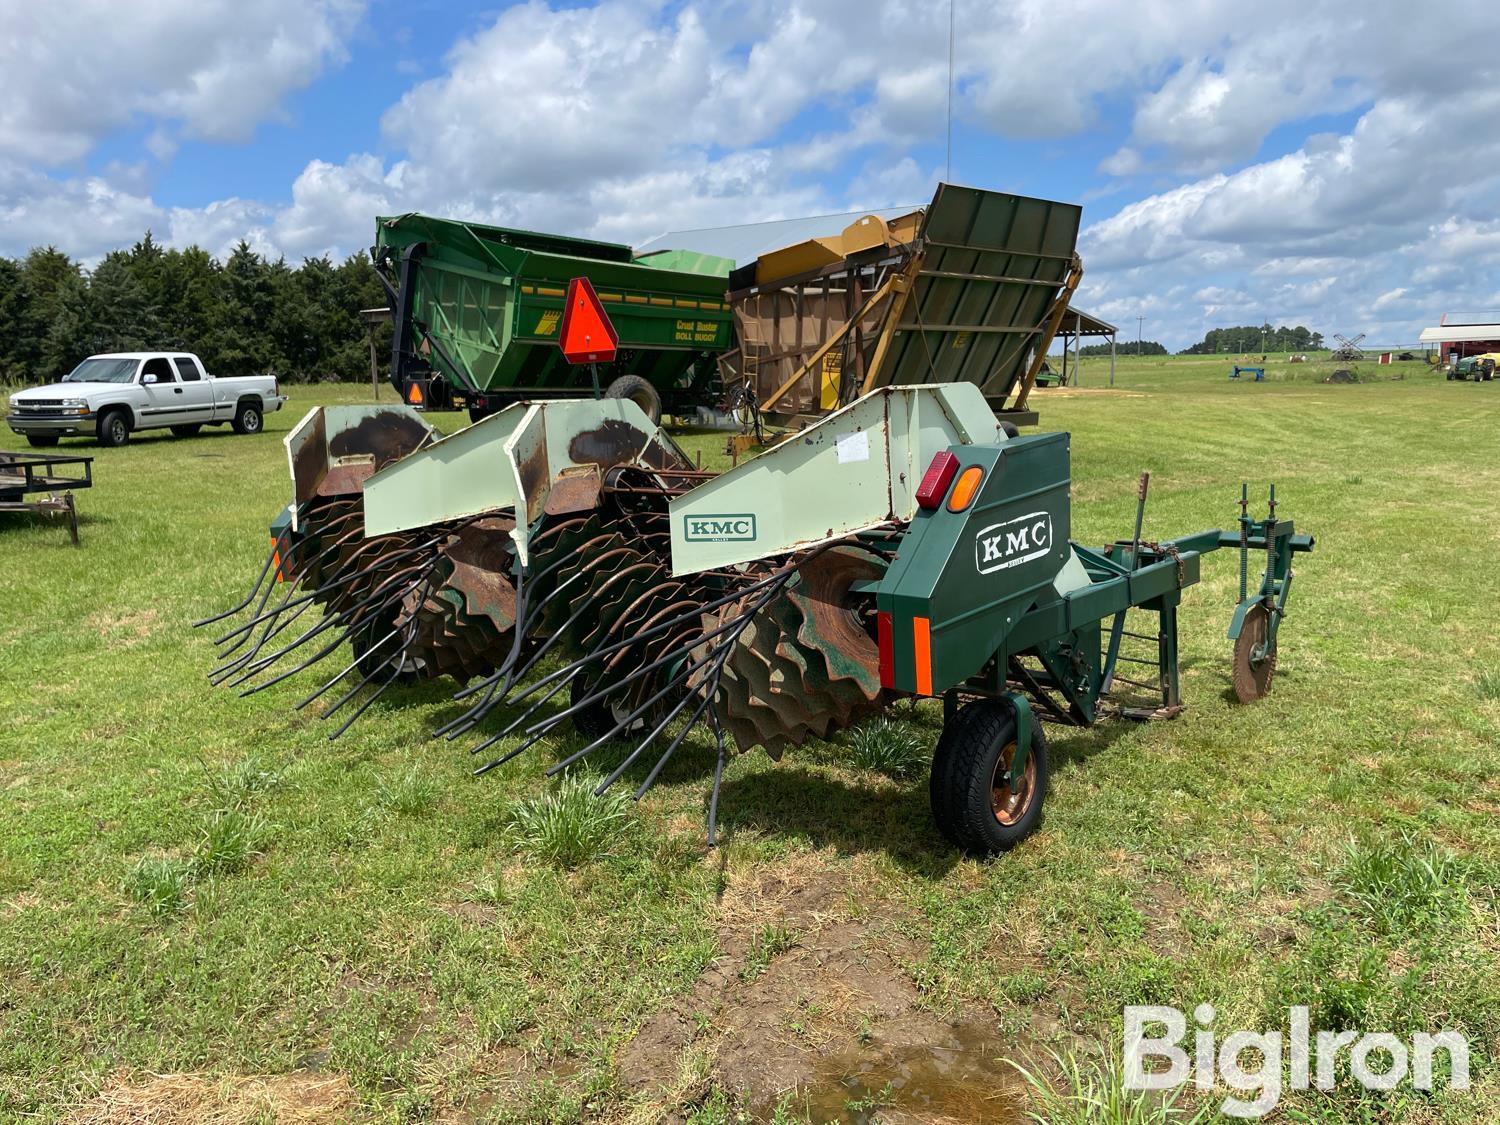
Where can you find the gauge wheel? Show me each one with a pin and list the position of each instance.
(973, 802)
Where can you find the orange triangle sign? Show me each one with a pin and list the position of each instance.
(587, 336)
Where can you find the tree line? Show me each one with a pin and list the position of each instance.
(246, 315)
(1126, 347)
(1257, 338)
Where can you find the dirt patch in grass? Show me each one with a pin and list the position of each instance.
(1163, 907)
(123, 630)
(809, 1005)
(200, 1099)
(1073, 392)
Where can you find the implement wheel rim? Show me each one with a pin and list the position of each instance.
(1010, 806)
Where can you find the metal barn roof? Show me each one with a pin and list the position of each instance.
(1460, 333)
(1076, 322)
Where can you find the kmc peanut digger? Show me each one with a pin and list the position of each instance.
(568, 565)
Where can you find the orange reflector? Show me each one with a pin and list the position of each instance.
(964, 490)
(921, 639)
(414, 394)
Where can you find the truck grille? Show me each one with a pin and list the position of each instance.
(39, 405)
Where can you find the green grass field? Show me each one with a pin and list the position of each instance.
(202, 887)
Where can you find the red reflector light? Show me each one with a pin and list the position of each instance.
(935, 483)
(887, 650)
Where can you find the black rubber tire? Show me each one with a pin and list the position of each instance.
(113, 429)
(963, 768)
(639, 391)
(42, 441)
(247, 418)
(379, 666)
(597, 719)
(187, 430)
(478, 414)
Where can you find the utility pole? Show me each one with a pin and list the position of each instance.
(948, 175)
(1138, 322)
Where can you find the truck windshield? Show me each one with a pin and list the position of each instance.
(102, 371)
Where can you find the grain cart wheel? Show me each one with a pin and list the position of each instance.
(638, 391)
(247, 419)
(972, 801)
(113, 429)
(1254, 660)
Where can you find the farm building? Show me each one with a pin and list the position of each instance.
(1460, 337)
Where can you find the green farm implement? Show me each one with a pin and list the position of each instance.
(476, 312)
(908, 545)
(970, 288)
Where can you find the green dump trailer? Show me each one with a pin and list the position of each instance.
(476, 312)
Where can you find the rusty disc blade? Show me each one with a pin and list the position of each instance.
(1254, 663)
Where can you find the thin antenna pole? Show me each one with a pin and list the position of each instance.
(948, 175)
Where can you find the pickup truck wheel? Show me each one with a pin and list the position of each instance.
(42, 441)
(247, 419)
(114, 429)
(187, 430)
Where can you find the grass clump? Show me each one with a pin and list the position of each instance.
(1094, 1093)
(1488, 685)
(161, 883)
(231, 839)
(889, 746)
(569, 826)
(409, 793)
(232, 786)
(1404, 883)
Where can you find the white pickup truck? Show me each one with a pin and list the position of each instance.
(112, 395)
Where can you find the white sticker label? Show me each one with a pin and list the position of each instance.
(853, 447)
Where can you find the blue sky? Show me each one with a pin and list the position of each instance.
(1315, 164)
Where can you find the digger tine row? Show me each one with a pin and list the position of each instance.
(328, 622)
(709, 685)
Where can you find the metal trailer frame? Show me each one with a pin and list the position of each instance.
(25, 474)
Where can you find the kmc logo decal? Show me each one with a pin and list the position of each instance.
(739, 528)
(1004, 545)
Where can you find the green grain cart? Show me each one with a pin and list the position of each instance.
(476, 312)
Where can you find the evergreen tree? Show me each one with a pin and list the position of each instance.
(245, 316)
